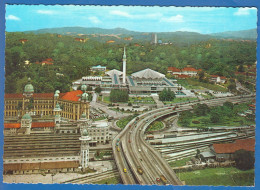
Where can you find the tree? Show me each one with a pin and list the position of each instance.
(201, 109)
(98, 89)
(166, 95)
(232, 87)
(89, 88)
(215, 115)
(245, 160)
(241, 68)
(201, 75)
(117, 95)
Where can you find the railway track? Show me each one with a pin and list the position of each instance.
(156, 162)
(93, 177)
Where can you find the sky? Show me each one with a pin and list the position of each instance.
(204, 20)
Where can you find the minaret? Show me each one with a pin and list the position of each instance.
(84, 149)
(124, 68)
(26, 123)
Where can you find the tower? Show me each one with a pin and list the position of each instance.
(124, 68)
(154, 38)
(26, 123)
(56, 112)
(84, 149)
(27, 97)
(84, 104)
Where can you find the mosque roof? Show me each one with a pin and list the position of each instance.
(148, 74)
(113, 72)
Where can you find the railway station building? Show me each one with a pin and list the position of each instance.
(72, 104)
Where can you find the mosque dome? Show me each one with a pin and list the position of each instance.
(84, 96)
(26, 116)
(56, 95)
(83, 116)
(57, 106)
(83, 87)
(85, 132)
(57, 92)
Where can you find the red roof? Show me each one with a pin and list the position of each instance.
(49, 59)
(12, 125)
(47, 62)
(34, 125)
(72, 96)
(13, 96)
(216, 76)
(174, 69)
(43, 95)
(245, 144)
(42, 124)
(189, 69)
(183, 76)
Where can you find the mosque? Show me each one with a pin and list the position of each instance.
(146, 81)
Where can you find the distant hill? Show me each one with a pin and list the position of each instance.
(178, 36)
(82, 30)
(242, 34)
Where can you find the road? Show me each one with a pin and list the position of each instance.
(105, 108)
(138, 153)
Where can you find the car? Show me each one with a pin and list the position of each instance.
(139, 150)
(154, 116)
(129, 141)
(125, 170)
(158, 179)
(169, 107)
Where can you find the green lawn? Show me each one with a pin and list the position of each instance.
(113, 180)
(195, 82)
(218, 177)
(179, 163)
(123, 122)
(99, 118)
(177, 100)
(141, 100)
(106, 99)
(236, 120)
(155, 126)
(133, 100)
(227, 121)
(192, 83)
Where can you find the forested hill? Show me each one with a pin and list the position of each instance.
(243, 34)
(73, 58)
(164, 36)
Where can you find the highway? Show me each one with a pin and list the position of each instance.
(135, 152)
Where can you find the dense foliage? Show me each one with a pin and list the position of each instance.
(117, 95)
(73, 59)
(204, 115)
(245, 160)
(166, 95)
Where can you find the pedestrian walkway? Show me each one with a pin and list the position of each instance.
(157, 101)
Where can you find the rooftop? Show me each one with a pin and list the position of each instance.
(148, 74)
(245, 144)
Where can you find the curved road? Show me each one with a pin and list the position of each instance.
(135, 152)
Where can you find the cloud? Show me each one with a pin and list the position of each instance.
(94, 19)
(121, 13)
(46, 12)
(135, 16)
(243, 11)
(12, 17)
(177, 18)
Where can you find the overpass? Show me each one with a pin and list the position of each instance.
(134, 152)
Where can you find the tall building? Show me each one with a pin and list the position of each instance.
(124, 68)
(154, 38)
(84, 149)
